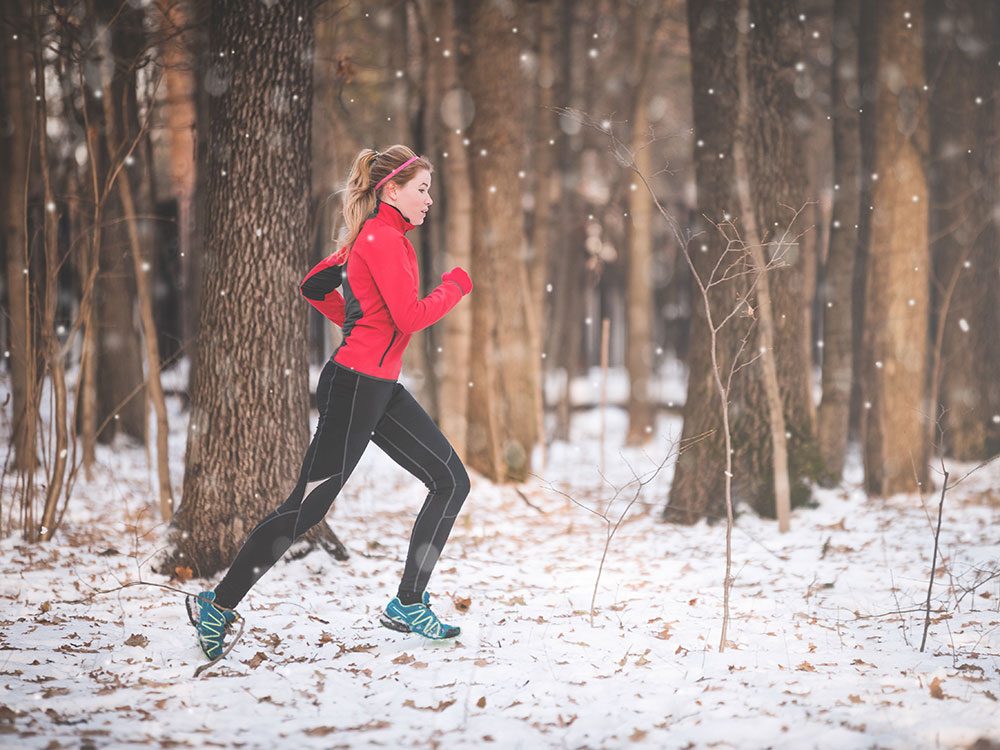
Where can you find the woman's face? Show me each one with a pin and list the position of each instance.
(412, 199)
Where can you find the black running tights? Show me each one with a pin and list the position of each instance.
(353, 409)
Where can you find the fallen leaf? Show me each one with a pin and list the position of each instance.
(404, 659)
(936, 691)
(255, 662)
(854, 699)
(462, 604)
(439, 707)
(481, 703)
(638, 735)
(137, 640)
(805, 667)
(361, 647)
(183, 573)
(325, 638)
(320, 731)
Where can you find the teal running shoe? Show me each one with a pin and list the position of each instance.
(210, 622)
(417, 618)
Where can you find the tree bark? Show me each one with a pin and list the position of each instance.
(502, 426)
(639, 284)
(698, 488)
(179, 113)
(568, 271)
(896, 299)
(779, 186)
(837, 291)
(963, 188)
(545, 196)
(454, 366)
(762, 253)
(121, 394)
(15, 159)
(249, 400)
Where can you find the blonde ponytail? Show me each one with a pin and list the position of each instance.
(368, 169)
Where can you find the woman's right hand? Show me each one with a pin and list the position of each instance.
(460, 277)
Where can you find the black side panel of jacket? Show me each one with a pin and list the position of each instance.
(322, 283)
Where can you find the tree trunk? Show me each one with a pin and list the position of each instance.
(121, 394)
(210, 73)
(570, 282)
(779, 185)
(124, 137)
(454, 370)
(179, 113)
(837, 294)
(249, 400)
(502, 426)
(327, 162)
(963, 192)
(639, 285)
(698, 488)
(546, 195)
(896, 299)
(15, 160)
(405, 69)
(777, 182)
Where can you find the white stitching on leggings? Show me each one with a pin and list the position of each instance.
(447, 505)
(410, 458)
(312, 461)
(333, 379)
(451, 451)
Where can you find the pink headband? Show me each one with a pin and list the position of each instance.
(396, 171)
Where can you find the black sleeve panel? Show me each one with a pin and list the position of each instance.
(322, 283)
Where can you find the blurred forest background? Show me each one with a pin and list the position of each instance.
(794, 204)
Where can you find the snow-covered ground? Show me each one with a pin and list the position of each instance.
(824, 633)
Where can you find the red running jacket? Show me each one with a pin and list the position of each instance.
(381, 307)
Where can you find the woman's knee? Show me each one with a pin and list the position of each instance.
(462, 482)
(454, 479)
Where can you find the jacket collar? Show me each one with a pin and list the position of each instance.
(393, 217)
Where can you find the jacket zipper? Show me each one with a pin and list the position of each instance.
(391, 342)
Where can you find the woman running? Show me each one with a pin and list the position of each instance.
(359, 398)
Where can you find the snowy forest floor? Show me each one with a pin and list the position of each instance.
(825, 627)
